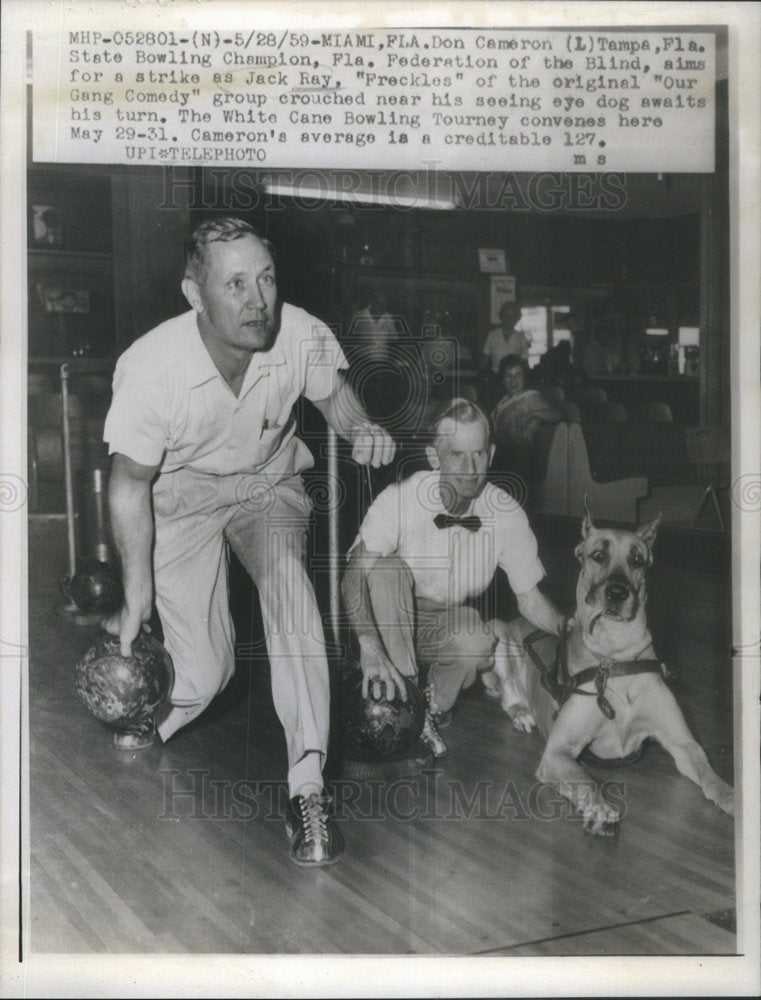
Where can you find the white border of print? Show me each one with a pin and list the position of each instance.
(203, 975)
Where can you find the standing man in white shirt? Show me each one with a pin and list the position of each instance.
(426, 547)
(202, 434)
(503, 340)
(507, 338)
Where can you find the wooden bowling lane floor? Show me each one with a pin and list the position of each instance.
(182, 848)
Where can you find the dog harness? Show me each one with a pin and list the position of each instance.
(561, 684)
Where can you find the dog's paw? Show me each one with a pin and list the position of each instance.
(602, 820)
(724, 798)
(492, 684)
(521, 719)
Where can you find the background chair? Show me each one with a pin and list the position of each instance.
(710, 450)
(653, 413)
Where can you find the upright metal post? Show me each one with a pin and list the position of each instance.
(67, 474)
(335, 605)
(98, 542)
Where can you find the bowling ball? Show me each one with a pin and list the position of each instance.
(378, 728)
(96, 587)
(122, 691)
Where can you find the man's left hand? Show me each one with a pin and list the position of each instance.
(372, 445)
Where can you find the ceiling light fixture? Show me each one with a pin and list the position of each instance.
(329, 193)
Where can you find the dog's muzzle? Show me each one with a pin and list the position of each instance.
(620, 600)
(616, 593)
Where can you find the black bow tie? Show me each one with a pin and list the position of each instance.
(472, 522)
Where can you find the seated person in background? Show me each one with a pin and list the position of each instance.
(519, 413)
(506, 339)
(556, 367)
(427, 547)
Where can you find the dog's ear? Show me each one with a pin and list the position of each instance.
(587, 525)
(648, 531)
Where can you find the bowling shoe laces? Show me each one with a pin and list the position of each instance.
(137, 737)
(432, 737)
(315, 838)
(433, 719)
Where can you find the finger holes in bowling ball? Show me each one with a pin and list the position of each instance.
(379, 728)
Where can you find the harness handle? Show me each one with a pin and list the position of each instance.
(601, 681)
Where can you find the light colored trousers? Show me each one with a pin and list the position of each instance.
(265, 523)
(452, 643)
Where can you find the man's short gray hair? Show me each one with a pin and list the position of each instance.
(215, 231)
(460, 410)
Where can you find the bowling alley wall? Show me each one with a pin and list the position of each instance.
(105, 253)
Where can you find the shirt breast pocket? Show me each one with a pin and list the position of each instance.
(278, 407)
(197, 423)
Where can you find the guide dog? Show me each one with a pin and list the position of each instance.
(605, 692)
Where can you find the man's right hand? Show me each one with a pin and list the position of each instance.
(126, 623)
(378, 671)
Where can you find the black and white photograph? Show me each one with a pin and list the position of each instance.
(381, 393)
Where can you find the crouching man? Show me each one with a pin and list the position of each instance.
(427, 547)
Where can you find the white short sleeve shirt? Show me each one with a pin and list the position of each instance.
(450, 565)
(497, 346)
(172, 408)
